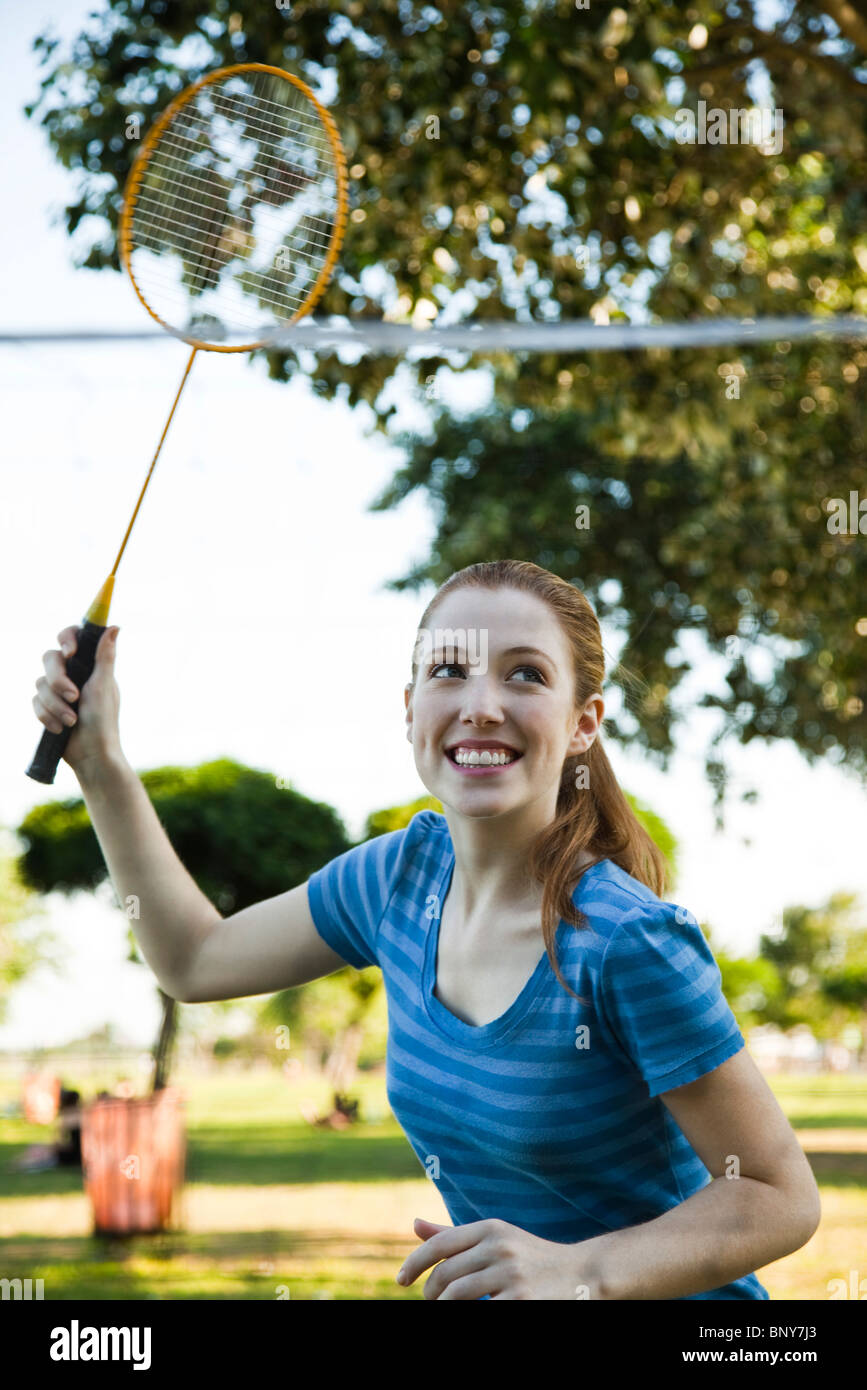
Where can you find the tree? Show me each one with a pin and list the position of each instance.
(820, 960)
(240, 837)
(397, 817)
(812, 972)
(847, 984)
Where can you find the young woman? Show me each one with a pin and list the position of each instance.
(560, 1054)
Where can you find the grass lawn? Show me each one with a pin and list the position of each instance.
(274, 1208)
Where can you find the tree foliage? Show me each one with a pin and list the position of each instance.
(240, 837)
(811, 972)
(819, 955)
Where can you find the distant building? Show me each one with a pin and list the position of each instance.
(799, 1051)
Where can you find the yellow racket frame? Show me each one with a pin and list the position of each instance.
(142, 160)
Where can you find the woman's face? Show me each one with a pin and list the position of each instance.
(479, 682)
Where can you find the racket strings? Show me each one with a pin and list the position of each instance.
(253, 102)
(277, 304)
(273, 173)
(218, 195)
(296, 127)
(306, 267)
(237, 209)
(315, 228)
(199, 121)
(192, 135)
(157, 278)
(196, 180)
(193, 181)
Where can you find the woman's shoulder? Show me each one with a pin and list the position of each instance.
(612, 899)
(423, 840)
(428, 841)
(605, 880)
(428, 822)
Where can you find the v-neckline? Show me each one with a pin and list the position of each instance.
(484, 1034)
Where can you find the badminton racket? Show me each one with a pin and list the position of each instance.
(233, 216)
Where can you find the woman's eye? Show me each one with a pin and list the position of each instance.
(452, 666)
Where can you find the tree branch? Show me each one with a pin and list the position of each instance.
(776, 48)
(851, 20)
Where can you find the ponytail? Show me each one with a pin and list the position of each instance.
(592, 814)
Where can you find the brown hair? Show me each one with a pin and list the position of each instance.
(597, 816)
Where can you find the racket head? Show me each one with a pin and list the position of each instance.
(235, 208)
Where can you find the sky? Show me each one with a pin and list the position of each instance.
(254, 620)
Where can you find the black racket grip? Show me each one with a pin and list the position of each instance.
(79, 668)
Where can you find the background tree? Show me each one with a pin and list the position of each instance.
(846, 984)
(813, 953)
(240, 837)
(811, 973)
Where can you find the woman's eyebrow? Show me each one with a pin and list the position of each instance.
(510, 651)
(535, 651)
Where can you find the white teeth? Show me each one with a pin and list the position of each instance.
(482, 758)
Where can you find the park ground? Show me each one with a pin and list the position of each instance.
(274, 1208)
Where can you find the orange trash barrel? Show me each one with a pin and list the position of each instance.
(133, 1154)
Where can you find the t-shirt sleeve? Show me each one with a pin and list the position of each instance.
(661, 999)
(348, 896)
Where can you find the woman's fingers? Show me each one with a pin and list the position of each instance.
(55, 690)
(68, 640)
(55, 671)
(50, 708)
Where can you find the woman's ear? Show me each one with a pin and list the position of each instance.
(588, 726)
(407, 696)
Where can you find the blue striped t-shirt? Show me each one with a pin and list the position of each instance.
(549, 1116)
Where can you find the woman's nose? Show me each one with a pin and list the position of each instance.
(480, 698)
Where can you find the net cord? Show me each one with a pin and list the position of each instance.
(577, 335)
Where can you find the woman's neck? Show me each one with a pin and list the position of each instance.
(489, 883)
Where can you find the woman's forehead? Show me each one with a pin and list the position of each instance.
(503, 609)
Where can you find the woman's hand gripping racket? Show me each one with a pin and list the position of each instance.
(234, 213)
(87, 719)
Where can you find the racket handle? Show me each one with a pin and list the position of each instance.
(79, 668)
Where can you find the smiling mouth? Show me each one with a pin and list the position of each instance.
(483, 760)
